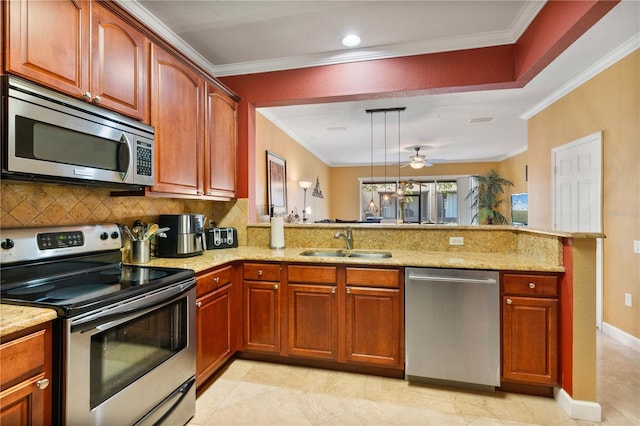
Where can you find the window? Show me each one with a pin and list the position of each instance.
(424, 201)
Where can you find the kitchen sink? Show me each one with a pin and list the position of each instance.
(347, 253)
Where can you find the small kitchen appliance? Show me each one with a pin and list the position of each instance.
(219, 238)
(185, 236)
(124, 339)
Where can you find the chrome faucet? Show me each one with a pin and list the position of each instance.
(348, 237)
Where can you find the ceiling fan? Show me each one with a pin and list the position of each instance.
(418, 160)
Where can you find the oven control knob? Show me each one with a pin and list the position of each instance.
(104, 236)
(7, 244)
(115, 235)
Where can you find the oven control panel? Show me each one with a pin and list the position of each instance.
(48, 242)
(54, 240)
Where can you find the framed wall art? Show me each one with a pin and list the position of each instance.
(276, 183)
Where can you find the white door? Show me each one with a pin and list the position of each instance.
(577, 195)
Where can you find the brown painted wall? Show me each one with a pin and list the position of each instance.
(609, 102)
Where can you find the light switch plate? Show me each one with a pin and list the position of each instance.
(456, 241)
(636, 246)
(628, 299)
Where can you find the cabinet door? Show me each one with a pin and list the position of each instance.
(530, 340)
(220, 144)
(176, 114)
(262, 316)
(374, 326)
(213, 332)
(24, 404)
(313, 321)
(119, 68)
(48, 42)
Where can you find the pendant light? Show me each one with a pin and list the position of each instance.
(371, 207)
(399, 187)
(386, 202)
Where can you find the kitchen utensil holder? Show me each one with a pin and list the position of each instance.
(140, 251)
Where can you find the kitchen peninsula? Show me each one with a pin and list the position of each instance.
(227, 276)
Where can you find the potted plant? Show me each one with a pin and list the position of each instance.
(486, 198)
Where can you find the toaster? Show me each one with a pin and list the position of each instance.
(218, 238)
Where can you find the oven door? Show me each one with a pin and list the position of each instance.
(132, 361)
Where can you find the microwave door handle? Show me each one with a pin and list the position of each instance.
(124, 156)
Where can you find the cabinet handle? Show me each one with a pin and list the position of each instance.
(509, 301)
(532, 285)
(216, 280)
(348, 290)
(42, 383)
(97, 100)
(198, 304)
(275, 286)
(333, 290)
(87, 96)
(259, 272)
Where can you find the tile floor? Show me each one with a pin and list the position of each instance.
(257, 393)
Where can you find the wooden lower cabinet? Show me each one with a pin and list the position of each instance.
(25, 377)
(261, 301)
(530, 329)
(215, 325)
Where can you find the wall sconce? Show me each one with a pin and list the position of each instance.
(317, 192)
(304, 184)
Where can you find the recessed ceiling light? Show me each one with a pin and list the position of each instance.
(480, 120)
(337, 129)
(351, 40)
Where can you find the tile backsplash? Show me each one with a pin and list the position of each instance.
(37, 204)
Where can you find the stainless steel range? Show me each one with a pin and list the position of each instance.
(125, 335)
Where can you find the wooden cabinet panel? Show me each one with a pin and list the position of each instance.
(313, 321)
(213, 280)
(262, 316)
(313, 274)
(530, 285)
(373, 326)
(120, 57)
(48, 42)
(262, 271)
(530, 340)
(220, 144)
(213, 332)
(176, 114)
(374, 277)
(26, 377)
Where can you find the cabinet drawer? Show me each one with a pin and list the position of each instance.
(313, 274)
(530, 285)
(261, 272)
(213, 280)
(22, 357)
(373, 277)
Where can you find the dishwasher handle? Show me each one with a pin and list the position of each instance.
(432, 278)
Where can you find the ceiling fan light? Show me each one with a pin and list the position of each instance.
(417, 164)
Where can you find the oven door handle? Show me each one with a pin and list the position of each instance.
(104, 319)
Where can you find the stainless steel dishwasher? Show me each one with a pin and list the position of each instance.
(452, 327)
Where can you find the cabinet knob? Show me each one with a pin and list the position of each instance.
(333, 290)
(259, 272)
(216, 280)
(348, 290)
(42, 383)
(532, 285)
(198, 304)
(97, 100)
(87, 96)
(275, 286)
(509, 301)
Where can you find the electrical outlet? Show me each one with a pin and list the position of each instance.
(636, 246)
(456, 241)
(628, 299)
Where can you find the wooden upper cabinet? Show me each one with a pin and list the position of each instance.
(176, 113)
(82, 49)
(48, 42)
(220, 144)
(120, 65)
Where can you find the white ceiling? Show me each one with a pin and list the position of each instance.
(240, 37)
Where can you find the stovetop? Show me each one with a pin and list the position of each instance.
(78, 279)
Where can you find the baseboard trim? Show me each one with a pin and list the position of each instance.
(621, 336)
(590, 411)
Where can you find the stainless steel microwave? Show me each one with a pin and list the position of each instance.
(51, 137)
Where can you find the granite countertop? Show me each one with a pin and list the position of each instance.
(15, 318)
(462, 260)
